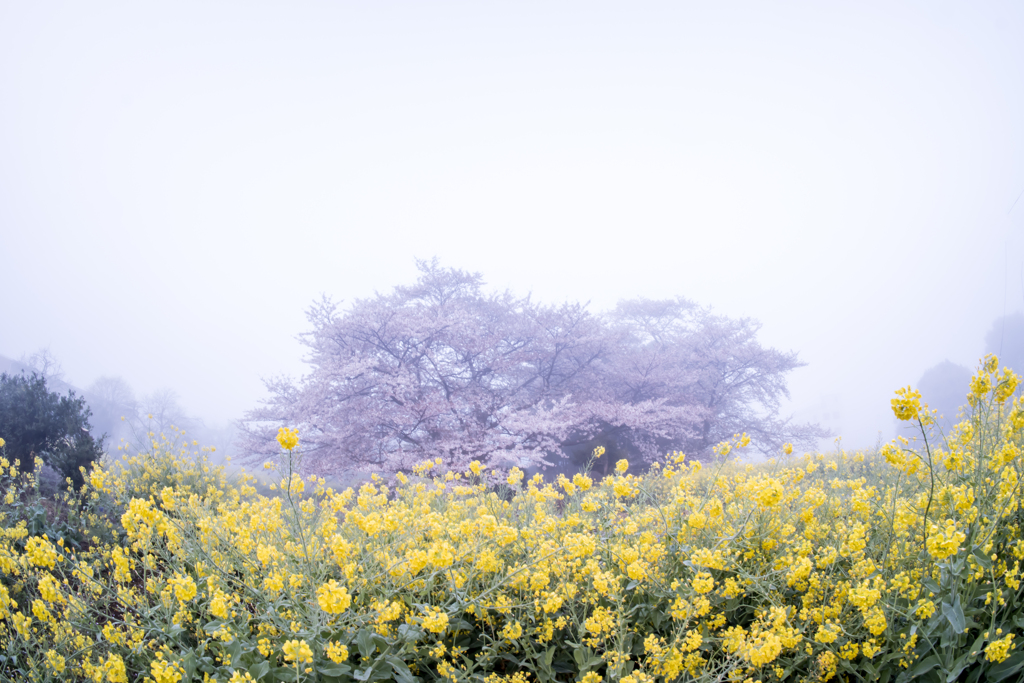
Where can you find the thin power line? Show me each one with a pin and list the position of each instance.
(1015, 202)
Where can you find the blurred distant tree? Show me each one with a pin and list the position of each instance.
(442, 370)
(161, 411)
(944, 388)
(46, 364)
(711, 368)
(114, 410)
(1006, 340)
(115, 391)
(37, 422)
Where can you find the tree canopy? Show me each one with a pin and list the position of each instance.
(36, 422)
(442, 369)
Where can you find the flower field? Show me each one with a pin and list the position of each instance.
(892, 565)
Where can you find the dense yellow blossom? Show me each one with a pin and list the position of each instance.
(813, 565)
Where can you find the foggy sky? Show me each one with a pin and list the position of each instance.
(178, 181)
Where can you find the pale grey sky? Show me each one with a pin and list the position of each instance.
(178, 181)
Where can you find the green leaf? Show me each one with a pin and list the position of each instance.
(1006, 668)
(958, 666)
(282, 673)
(410, 633)
(401, 669)
(332, 669)
(984, 560)
(978, 646)
(365, 643)
(955, 615)
(189, 663)
(924, 666)
(259, 670)
(234, 649)
(380, 671)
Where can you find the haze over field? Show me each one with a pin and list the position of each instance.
(179, 183)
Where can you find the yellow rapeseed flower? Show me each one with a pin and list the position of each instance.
(435, 620)
(288, 438)
(336, 652)
(297, 651)
(514, 476)
(999, 650)
(333, 598)
(165, 672)
(907, 404)
(512, 630)
(54, 660)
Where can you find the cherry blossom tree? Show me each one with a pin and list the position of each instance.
(685, 355)
(442, 370)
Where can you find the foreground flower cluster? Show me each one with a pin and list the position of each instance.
(900, 564)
